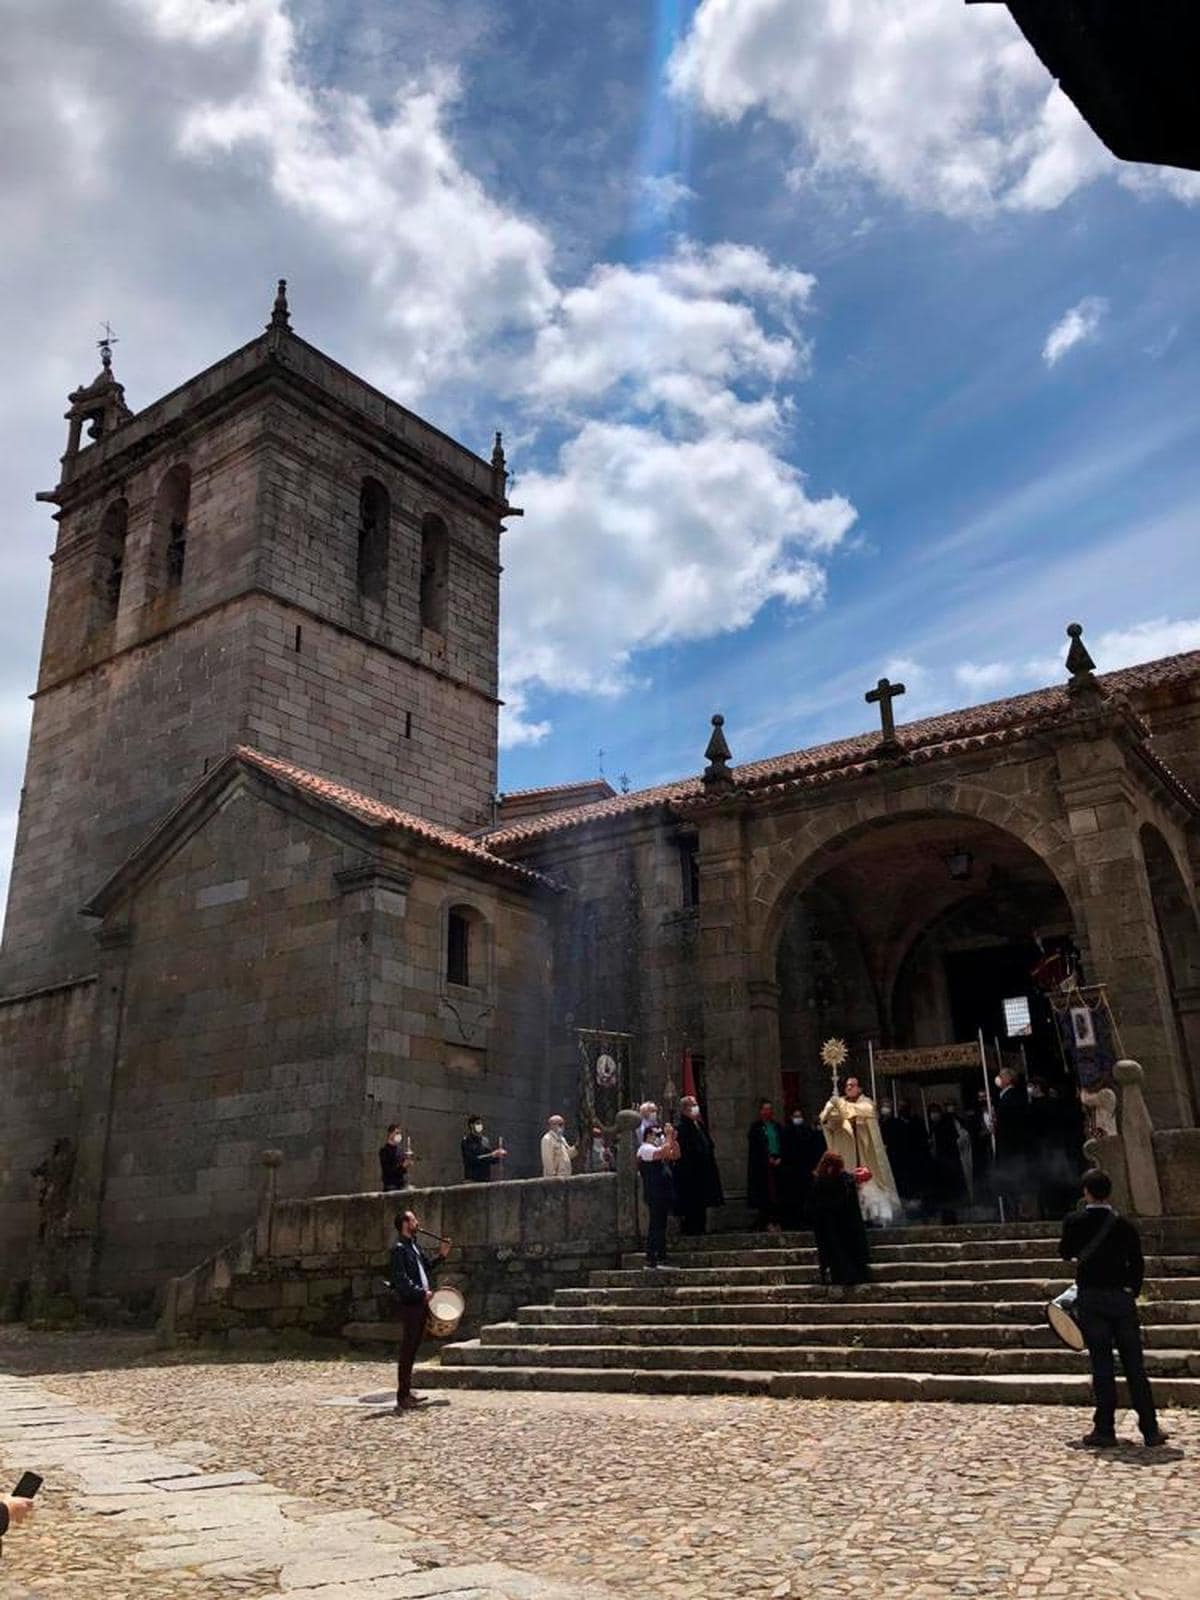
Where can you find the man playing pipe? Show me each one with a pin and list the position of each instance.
(410, 1278)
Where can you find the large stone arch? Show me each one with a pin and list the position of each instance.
(1178, 927)
(783, 866)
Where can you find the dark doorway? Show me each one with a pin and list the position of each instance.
(980, 981)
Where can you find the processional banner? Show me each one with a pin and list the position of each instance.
(929, 1060)
(604, 1078)
(1087, 1032)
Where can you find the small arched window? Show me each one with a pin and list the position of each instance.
(109, 567)
(435, 573)
(374, 512)
(466, 948)
(171, 522)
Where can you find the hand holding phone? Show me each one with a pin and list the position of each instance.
(28, 1486)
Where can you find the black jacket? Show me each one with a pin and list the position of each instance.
(1117, 1263)
(393, 1168)
(475, 1150)
(403, 1277)
(696, 1178)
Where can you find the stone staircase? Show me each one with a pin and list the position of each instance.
(951, 1314)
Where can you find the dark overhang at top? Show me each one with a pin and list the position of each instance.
(1131, 67)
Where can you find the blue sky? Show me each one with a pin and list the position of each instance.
(827, 341)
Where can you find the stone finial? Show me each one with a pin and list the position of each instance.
(717, 774)
(1079, 663)
(280, 316)
(499, 468)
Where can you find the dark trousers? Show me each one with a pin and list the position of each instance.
(1107, 1317)
(659, 1209)
(412, 1329)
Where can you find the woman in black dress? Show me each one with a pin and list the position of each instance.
(838, 1225)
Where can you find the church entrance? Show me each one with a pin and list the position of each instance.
(919, 931)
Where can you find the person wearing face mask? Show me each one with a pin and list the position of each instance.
(478, 1155)
(803, 1147)
(557, 1154)
(657, 1154)
(696, 1175)
(1011, 1114)
(393, 1160)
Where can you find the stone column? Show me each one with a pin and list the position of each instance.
(1119, 923)
(370, 1006)
(1137, 1137)
(741, 1028)
(272, 1160)
(83, 1228)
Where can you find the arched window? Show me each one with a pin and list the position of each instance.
(466, 948)
(171, 522)
(374, 511)
(435, 573)
(109, 570)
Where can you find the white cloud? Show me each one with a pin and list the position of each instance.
(664, 193)
(1079, 325)
(641, 539)
(1111, 650)
(945, 107)
(177, 157)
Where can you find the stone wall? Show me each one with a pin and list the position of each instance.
(316, 1265)
(44, 1044)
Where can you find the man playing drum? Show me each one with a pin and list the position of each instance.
(410, 1275)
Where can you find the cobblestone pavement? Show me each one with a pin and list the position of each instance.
(679, 1498)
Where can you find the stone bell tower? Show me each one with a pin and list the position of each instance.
(274, 554)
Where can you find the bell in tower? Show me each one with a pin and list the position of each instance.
(100, 405)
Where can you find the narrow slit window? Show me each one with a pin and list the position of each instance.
(458, 949)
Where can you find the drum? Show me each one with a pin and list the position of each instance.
(444, 1312)
(1060, 1314)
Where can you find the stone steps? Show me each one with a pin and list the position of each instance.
(950, 1314)
(912, 1260)
(666, 1286)
(882, 1335)
(791, 1358)
(1042, 1269)
(848, 1309)
(999, 1389)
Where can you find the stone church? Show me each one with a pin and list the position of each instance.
(265, 892)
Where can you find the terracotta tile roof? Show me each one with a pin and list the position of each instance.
(952, 732)
(378, 815)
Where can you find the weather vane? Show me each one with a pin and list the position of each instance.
(106, 343)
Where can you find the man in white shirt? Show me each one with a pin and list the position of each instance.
(557, 1154)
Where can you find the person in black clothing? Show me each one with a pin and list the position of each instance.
(656, 1154)
(948, 1188)
(838, 1226)
(410, 1278)
(696, 1176)
(1109, 1274)
(477, 1152)
(393, 1163)
(764, 1163)
(803, 1147)
(1011, 1168)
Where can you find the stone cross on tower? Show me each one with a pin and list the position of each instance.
(882, 695)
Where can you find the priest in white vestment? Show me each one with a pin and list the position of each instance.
(851, 1128)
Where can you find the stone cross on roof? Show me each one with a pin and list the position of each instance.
(882, 695)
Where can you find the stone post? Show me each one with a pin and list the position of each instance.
(735, 1074)
(627, 1177)
(1117, 909)
(272, 1160)
(1137, 1136)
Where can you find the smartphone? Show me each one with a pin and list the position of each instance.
(29, 1485)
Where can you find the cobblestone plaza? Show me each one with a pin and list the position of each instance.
(300, 1487)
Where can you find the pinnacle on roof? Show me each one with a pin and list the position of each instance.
(280, 316)
(1079, 663)
(717, 753)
